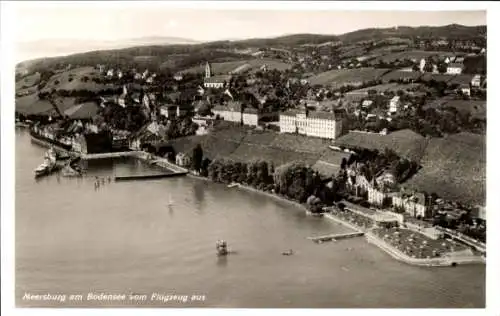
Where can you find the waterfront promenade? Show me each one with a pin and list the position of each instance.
(446, 260)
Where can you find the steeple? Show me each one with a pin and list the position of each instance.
(208, 71)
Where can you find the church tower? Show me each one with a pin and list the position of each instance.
(208, 71)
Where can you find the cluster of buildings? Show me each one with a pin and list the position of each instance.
(111, 73)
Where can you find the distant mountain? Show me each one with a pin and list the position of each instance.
(162, 48)
(61, 47)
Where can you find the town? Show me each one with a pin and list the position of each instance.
(384, 130)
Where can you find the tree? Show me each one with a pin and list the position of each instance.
(197, 158)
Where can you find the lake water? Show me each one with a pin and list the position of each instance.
(124, 238)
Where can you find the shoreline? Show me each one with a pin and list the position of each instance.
(400, 256)
(431, 262)
(371, 238)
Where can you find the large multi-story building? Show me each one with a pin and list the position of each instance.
(316, 124)
(234, 111)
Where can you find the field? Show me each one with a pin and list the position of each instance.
(437, 77)
(394, 87)
(461, 79)
(329, 162)
(260, 138)
(388, 49)
(476, 108)
(414, 54)
(338, 78)
(71, 80)
(226, 67)
(28, 81)
(214, 147)
(454, 168)
(405, 143)
(249, 152)
(82, 111)
(403, 75)
(31, 104)
(299, 143)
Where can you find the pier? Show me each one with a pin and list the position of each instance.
(335, 237)
(151, 176)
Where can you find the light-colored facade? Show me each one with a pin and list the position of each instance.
(394, 105)
(315, 124)
(476, 81)
(454, 69)
(413, 205)
(183, 160)
(232, 112)
(422, 65)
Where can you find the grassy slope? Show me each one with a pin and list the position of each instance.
(66, 83)
(346, 76)
(454, 168)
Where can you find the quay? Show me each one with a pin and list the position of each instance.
(108, 155)
(151, 176)
(335, 237)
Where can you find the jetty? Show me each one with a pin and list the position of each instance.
(335, 237)
(151, 176)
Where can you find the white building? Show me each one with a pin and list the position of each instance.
(249, 116)
(465, 89)
(394, 105)
(316, 124)
(476, 81)
(183, 160)
(413, 205)
(110, 73)
(422, 65)
(455, 68)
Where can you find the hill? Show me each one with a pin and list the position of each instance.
(163, 48)
(448, 31)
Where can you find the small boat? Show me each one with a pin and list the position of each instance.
(49, 164)
(44, 169)
(233, 185)
(221, 247)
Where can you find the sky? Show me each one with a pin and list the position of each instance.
(88, 20)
